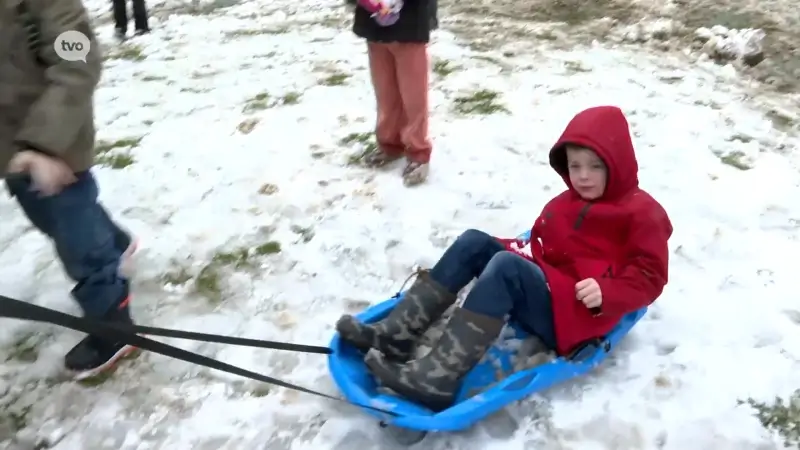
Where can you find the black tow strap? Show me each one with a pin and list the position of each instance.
(16, 309)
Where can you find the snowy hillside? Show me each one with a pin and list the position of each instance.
(230, 129)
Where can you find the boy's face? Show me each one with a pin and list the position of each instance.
(587, 172)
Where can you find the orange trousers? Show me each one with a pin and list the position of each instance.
(399, 73)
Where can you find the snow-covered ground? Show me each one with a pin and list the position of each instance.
(210, 176)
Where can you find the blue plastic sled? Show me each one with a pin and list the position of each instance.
(348, 370)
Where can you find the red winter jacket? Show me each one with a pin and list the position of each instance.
(620, 239)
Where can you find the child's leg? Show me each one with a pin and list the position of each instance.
(412, 74)
(465, 259)
(122, 240)
(508, 282)
(514, 285)
(390, 118)
(30, 202)
(34, 208)
(426, 300)
(120, 15)
(140, 15)
(86, 242)
(124, 243)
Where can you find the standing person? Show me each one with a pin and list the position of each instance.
(120, 8)
(47, 138)
(399, 66)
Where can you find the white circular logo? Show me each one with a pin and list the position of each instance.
(72, 46)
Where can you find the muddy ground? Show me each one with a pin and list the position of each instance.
(575, 21)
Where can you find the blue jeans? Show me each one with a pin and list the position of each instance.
(507, 283)
(89, 244)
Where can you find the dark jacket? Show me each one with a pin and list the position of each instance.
(417, 19)
(46, 103)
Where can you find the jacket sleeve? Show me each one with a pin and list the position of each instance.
(644, 273)
(57, 116)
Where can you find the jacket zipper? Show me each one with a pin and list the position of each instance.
(581, 216)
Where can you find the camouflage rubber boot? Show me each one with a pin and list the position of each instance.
(434, 379)
(395, 336)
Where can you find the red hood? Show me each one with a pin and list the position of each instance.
(604, 130)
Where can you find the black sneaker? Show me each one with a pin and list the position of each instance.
(95, 355)
(141, 31)
(120, 35)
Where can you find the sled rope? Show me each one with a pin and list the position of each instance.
(16, 309)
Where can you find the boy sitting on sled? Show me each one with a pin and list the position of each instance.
(599, 252)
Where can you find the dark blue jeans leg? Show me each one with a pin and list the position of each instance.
(19, 186)
(121, 238)
(465, 259)
(84, 238)
(513, 285)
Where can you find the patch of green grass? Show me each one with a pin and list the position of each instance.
(116, 160)
(735, 159)
(336, 79)
(248, 125)
(153, 78)
(364, 140)
(268, 248)
(291, 98)
(194, 90)
(106, 157)
(261, 390)
(239, 258)
(781, 416)
(177, 277)
(24, 349)
(19, 419)
(129, 52)
(197, 75)
(443, 68)
(209, 282)
(306, 233)
(102, 147)
(259, 102)
(482, 102)
(256, 32)
(264, 101)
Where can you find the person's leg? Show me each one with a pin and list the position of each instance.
(32, 204)
(390, 116)
(413, 66)
(140, 17)
(426, 300)
(85, 241)
(465, 259)
(120, 17)
(524, 296)
(509, 281)
(124, 243)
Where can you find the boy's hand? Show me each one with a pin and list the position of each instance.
(518, 244)
(49, 175)
(588, 292)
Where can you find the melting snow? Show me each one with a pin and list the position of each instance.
(212, 174)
